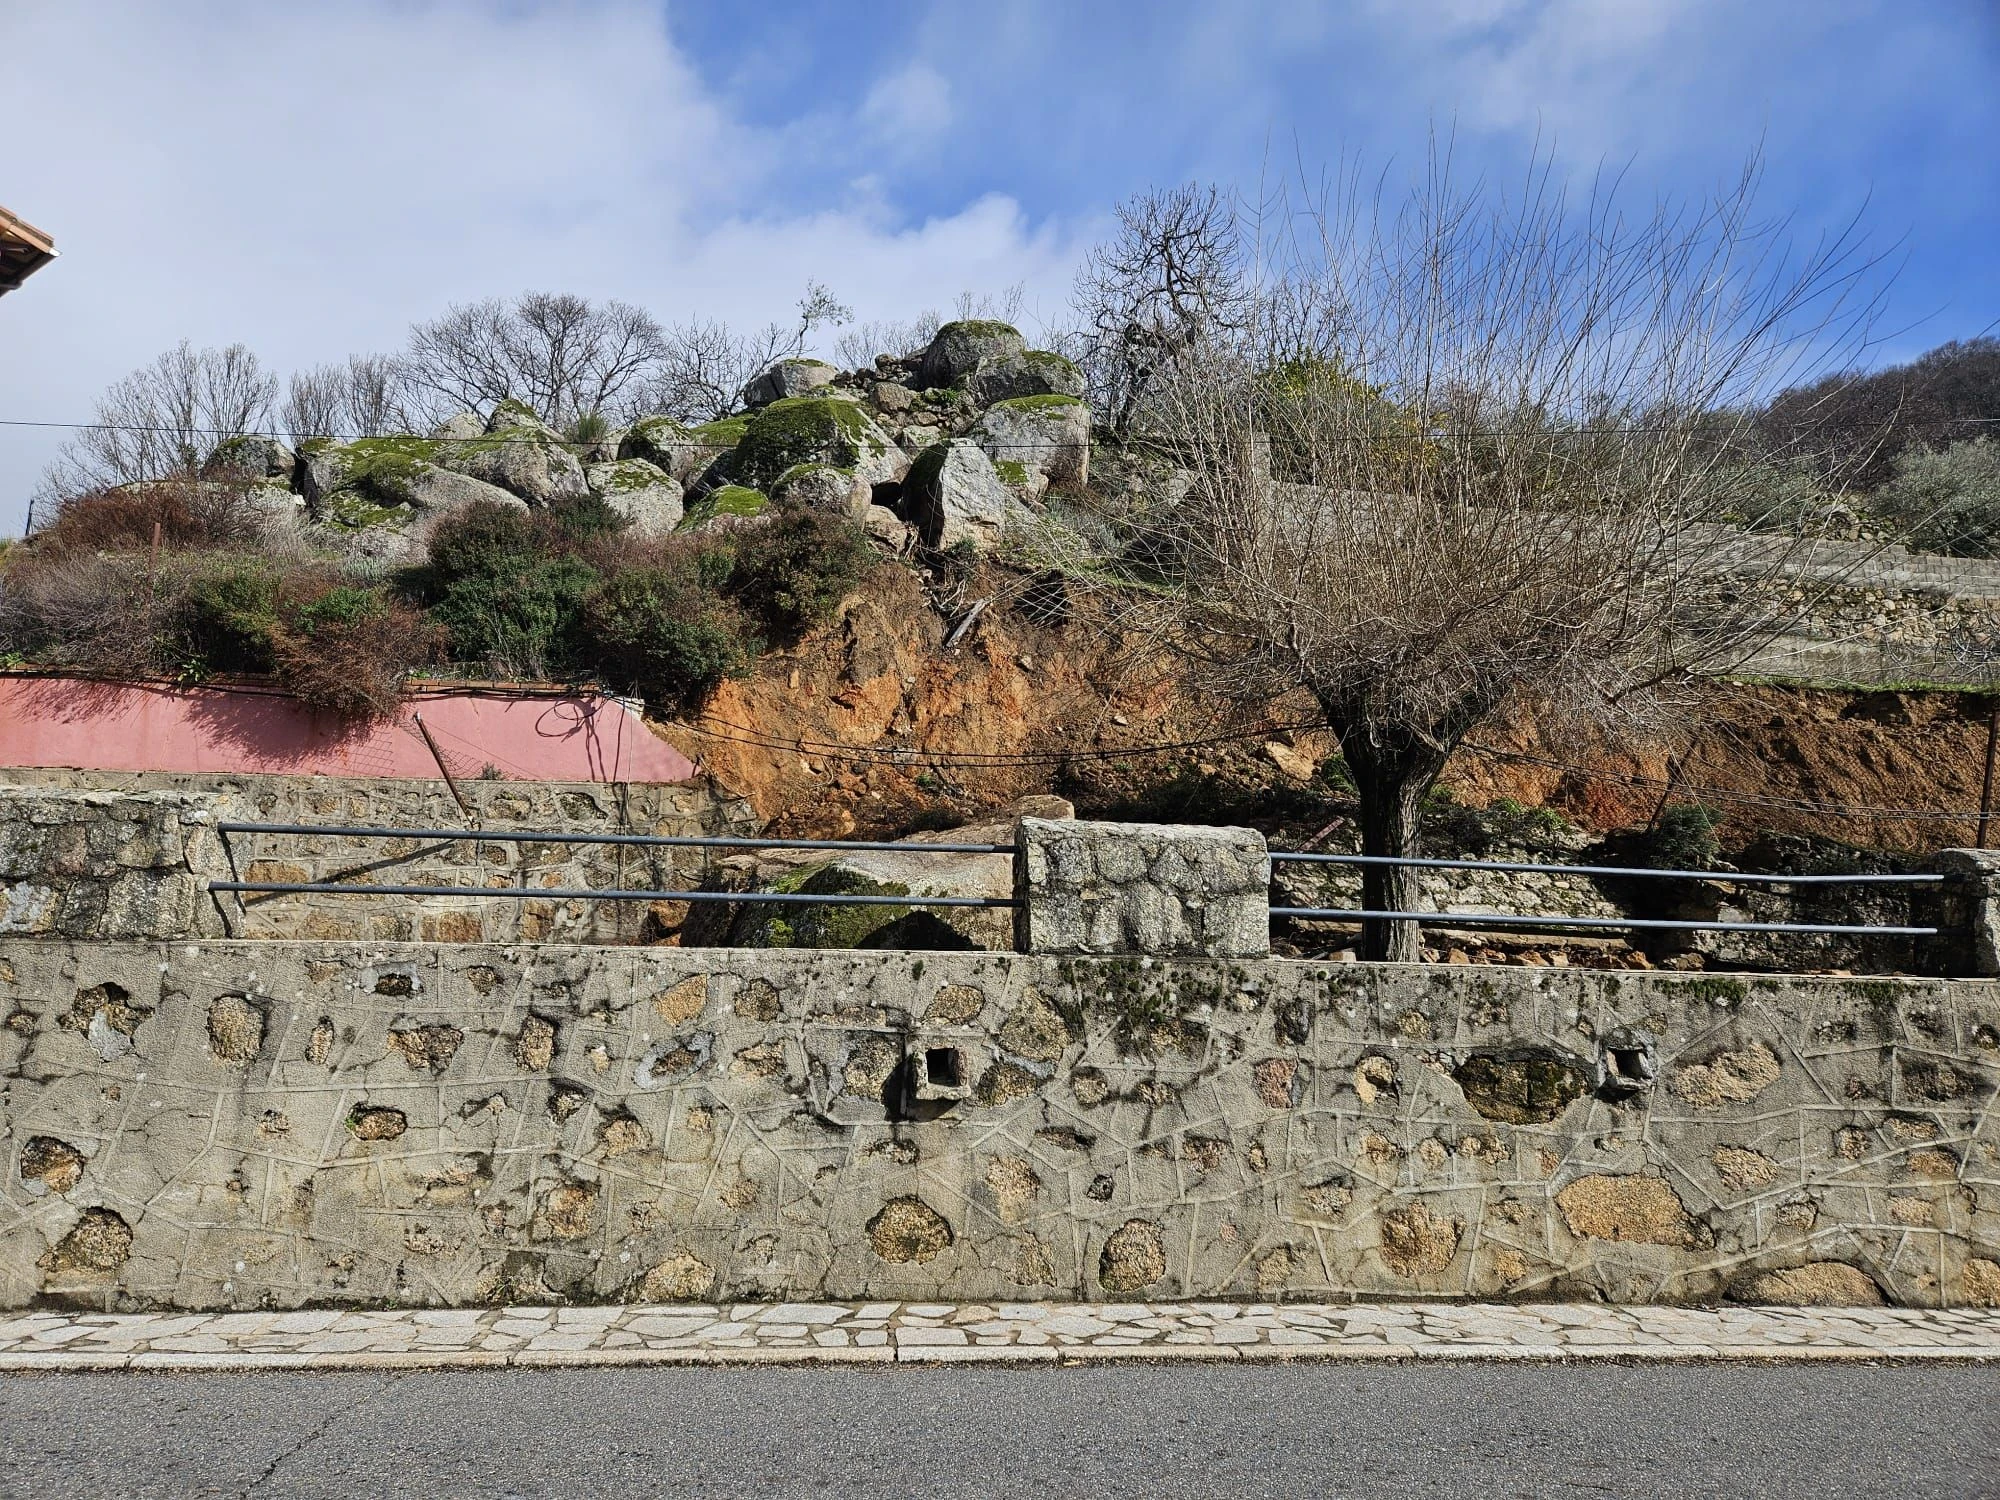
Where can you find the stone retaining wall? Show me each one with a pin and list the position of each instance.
(229, 1124)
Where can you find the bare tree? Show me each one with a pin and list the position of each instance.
(859, 346)
(704, 364)
(164, 420)
(1461, 455)
(564, 355)
(362, 397)
(1171, 279)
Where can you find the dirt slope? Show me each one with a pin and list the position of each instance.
(874, 726)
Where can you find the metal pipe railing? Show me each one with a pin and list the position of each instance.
(1517, 868)
(671, 841)
(1479, 919)
(565, 893)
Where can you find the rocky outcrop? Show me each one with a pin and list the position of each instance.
(958, 350)
(788, 377)
(953, 495)
(1037, 441)
(993, 423)
(649, 498)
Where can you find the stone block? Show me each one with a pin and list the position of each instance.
(1968, 941)
(1148, 888)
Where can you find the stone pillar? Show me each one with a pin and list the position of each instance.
(1968, 940)
(107, 866)
(1153, 888)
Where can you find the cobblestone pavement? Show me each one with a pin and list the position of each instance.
(1005, 1333)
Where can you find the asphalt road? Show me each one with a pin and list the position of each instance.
(1495, 1431)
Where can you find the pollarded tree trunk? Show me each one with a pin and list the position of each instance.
(1392, 774)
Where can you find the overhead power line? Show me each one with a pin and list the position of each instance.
(1432, 434)
(996, 760)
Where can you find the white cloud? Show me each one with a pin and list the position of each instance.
(909, 107)
(309, 180)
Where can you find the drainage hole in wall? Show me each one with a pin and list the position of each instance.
(941, 1067)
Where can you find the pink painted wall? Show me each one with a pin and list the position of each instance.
(105, 726)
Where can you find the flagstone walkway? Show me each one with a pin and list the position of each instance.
(1005, 1333)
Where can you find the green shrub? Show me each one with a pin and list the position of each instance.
(504, 591)
(793, 573)
(232, 616)
(1683, 837)
(664, 630)
(1946, 499)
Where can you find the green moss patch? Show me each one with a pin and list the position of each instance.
(1037, 403)
(800, 430)
(980, 328)
(386, 467)
(352, 511)
(725, 432)
(825, 926)
(729, 500)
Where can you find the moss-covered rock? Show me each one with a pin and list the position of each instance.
(642, 492)
(1035, 372)
(788, 377)
(957, 349)
(801, 926)
(724, 500)
(814, 430)
(512, 415)
(1045, 437)
(823, 487)
(680, 450)
(953, 495)
(382, 469)
(524, 457)
(250, 456)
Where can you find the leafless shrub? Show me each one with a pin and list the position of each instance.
(1460, 454)
(858, 347)
(85, 611)
(173, 514)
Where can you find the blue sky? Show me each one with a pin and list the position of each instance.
(310, 177)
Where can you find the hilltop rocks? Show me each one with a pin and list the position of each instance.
(814, 430)
(648, 497)
(1036, 441)
(957, 350)
(953, 494)
(520, 454)
(1036, 372)
(788, 377)
(823, 487)
(252, 457)
(993, 424)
